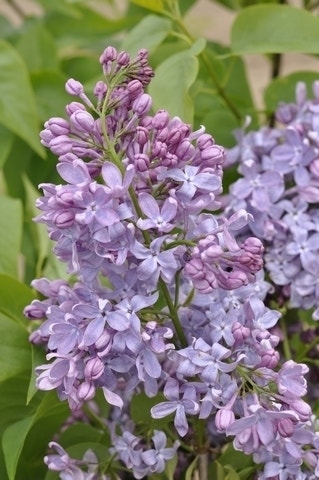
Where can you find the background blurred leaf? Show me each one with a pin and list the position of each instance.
(15, 351)
(171, 84)
(14, 296)
(37, 47)
(154, 5)
(148, 33)
(276, 29)
(283, 89)
(12, 443)
(6, 141)
(11, 234)
(17, 104)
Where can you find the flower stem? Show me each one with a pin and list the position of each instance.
(173, 312)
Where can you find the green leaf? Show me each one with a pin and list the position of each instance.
(11, 234)
(171, 84)
(283, 89)
(276, 29)
(40, 238)
(217, 471)
(84, 27)
(6, 141)
(190, 469)
(37, 358)
(154, 5)
(50, 93)
(14, 297)
(17, 104)
(34, 434)
(140, 408)
(15, 350)
(36, 46)
(12, 443)
(170, 468)
(232, 474)
(149, 33)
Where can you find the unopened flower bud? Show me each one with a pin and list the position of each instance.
(239, 331)
(269, 359)
(224, 418)
(160, 119)
(123, 59)
(73, 107)
(134, 88)
(61, 145)
(205, 141)
(285, 427)
(142, 162)
(86, 391)
(213, 155)
(73, 87)
(301, 408)
(142, 104)
(58, 126)
(109, 55)
(64, 219)
(94, 368)
(82, 122)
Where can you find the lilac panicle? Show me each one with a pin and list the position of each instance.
(279, 187)
(167, 296)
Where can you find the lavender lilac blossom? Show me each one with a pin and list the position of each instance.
(165, 299)
(280, 188)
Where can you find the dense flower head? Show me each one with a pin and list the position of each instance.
(166, 296)
(279, 186)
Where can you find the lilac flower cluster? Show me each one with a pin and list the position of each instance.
(165, 298)
(280, 188)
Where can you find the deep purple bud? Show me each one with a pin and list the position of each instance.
(213, 155)
(240, 332)
(109, 55)
(269, 359)
(142, 135)
(142, 104)
(123, 59)
(142, 162)
(205, 141)
(160, 119)
(285, 427)
(253, 245)
(135, 88)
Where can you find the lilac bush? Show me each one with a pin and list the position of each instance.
(167, 294)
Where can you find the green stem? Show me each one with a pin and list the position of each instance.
(173, 312)
(176, 17)
(285, 343)
(203, 466)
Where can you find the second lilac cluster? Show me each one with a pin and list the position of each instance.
(280, 188)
